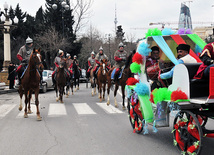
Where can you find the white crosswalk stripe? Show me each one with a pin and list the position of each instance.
(83, 108)
(56, 110)
(109, 109)
(5, 109)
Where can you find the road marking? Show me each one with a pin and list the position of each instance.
(56, 110)
(33, 109)
(83, 108)
(109, 109)
(5, 109)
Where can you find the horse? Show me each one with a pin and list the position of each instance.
(102, 78)
(30, 83)
(93, 81)
(60, 80)
(121, 82)
(68, 86)
(76, 77)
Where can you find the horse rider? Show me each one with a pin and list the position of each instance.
(100, 56)
(120, 57)
(91, 62)
(57, 60)
(69, 64)
(24, 56)
(77, 63)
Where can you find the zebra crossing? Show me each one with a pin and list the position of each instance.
(59, 110)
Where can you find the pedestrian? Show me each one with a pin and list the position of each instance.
(11, 75)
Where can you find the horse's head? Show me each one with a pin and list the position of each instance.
(129, 59)
(103, 65)
(37, 59)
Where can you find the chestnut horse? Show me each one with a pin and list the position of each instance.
(102, 78)
(121, 82)
(60, 80)
(30, 83)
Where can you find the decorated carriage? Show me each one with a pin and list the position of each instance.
(191, 99)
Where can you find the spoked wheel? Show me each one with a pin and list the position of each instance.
(187, 133)
(135, 118)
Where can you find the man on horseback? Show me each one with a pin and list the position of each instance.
(100, 56)
(24, 55)
(91, 62)
(69, 64)
(57, 61)
(120, 57)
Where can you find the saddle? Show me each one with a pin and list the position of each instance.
(120, 73)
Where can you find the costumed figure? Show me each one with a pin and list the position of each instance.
(120, 57)
(69, 64)
(100, 56)
(57, 60)
(24, 55)
(183, 57)
(153, 59)
(91, 62)
(77, 63)
(207, 57)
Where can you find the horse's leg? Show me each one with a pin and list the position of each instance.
(20, 95)
(100, 91)
(72, 86)
(67, 90)
(61, 94)
(115, 94)
(78, 83)
(108, 90)
(75, 83)
(57, 93)
(123, 95)
(37, 104)
(95, 86)
(29, 108)
(104, 89)
(26, 101)
(92, 86)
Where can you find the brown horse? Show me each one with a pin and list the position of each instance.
(121, 82)
(102, 78)
(60, 80)
(30, 83)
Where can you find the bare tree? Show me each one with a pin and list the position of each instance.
(51, 41)
(81, 12)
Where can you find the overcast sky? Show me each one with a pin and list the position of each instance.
(132, 13)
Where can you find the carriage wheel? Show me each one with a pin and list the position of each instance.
(136, 122)
(187, 133)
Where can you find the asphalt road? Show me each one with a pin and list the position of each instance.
(79, 126)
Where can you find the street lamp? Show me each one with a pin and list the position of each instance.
(64, 7)
(6, 27)
(108, 37)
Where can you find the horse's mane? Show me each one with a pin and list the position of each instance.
(129, 59)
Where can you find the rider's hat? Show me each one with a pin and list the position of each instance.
(101, 48)
(184, 47)
(120, 45)
(155, 48)
(60, 51)
(75, 56)
(67, 55)
(92, 52)
(29, 40)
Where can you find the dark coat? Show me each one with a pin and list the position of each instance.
(11, 73)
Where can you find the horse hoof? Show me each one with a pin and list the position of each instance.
(66, 96)
(39, 118)
(29, 112)
(72, 93)
(116, 106)
(57, 99)
(124, 108)
(108, 103)
(20, 108)
(25, 116)
(61, 102)
(77, 88)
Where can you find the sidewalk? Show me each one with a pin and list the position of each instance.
(6, 90)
